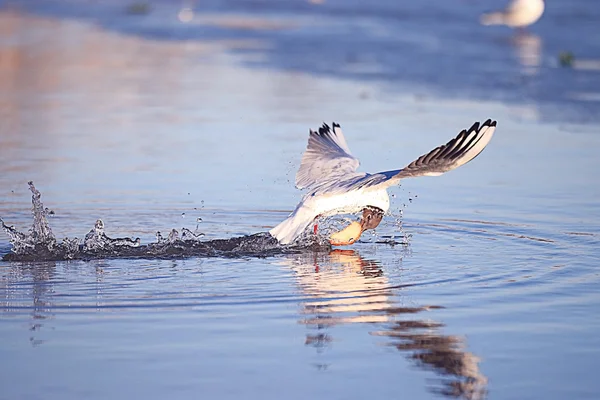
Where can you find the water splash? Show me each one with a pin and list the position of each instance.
(96, 241)
(40, 244)
(40, 238)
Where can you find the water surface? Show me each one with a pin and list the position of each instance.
(149, 124)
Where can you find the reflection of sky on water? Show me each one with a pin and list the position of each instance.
(432, 47)
(336, 289)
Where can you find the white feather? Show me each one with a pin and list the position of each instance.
(327, 155)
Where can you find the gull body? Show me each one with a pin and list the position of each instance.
(352, 201)
(328, 172)
(518, 14)
(313, 206)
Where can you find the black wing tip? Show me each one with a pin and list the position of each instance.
(477, 126)
(324, 129)
(489, 123)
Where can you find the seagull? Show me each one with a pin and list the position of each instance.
(518, 14)
(328, 173)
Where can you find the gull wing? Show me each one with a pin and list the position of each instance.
(327, 156)
(467, 145)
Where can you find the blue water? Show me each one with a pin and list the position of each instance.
(149, 123)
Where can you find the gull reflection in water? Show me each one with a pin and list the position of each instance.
(344, 288)
(34, 280)
(31, 287)
(528, 51)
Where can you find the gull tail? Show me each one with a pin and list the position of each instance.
(495, 18)
(292, 227)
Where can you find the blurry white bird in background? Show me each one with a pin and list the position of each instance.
(519, 14)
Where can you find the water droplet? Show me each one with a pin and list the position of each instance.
(173, 236)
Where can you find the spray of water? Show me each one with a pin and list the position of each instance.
(40, 244)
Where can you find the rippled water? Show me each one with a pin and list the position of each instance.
(149, 124)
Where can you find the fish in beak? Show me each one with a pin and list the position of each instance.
(370, 219)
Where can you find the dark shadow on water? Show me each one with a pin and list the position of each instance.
(431, 47)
